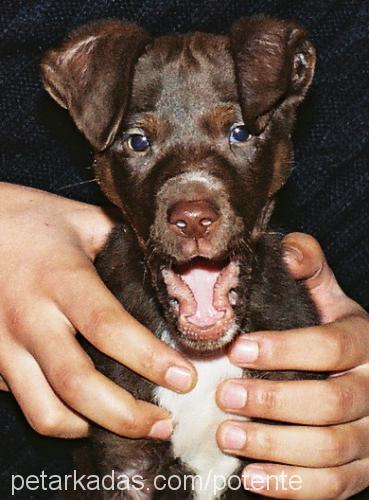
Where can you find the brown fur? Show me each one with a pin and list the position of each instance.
(185, 92)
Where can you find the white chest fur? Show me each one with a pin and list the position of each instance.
(196, 417)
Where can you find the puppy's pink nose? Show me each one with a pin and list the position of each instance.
(192, 219)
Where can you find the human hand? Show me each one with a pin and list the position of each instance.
(325, 454)
(50, 289)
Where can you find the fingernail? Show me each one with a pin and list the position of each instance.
(255, 478)
(291, 254)
(245, 351)
(233, 396)
(179, 378)
(162, 429)
(232, 437)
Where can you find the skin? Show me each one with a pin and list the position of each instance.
(47, 247)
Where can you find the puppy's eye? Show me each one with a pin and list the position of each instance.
(138, 142)
(238, 133)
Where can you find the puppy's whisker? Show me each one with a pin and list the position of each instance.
(151, 254)
(76, 184)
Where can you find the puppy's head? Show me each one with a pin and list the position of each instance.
(192, 135)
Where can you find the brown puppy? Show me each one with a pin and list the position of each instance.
(192, 139)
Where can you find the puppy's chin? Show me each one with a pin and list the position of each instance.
(205, 348)
(202, 299)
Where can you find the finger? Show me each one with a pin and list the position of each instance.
(345, 399)
(296, 445)
(306, 261)
(282, 481)
(105, 323)
(73, 377)
(336, 346)
(44, 411)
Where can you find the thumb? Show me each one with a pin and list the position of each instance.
(305, 260)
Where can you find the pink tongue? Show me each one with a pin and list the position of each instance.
(201, 281)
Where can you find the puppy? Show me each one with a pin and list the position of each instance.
(192, 140)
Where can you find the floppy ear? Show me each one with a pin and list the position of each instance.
(90, 75)
(274, 63)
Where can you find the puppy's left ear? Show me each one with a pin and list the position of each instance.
(90, 75)
(274, 64)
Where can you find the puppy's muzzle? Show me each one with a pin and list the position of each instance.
(195, 228)
(194, 218)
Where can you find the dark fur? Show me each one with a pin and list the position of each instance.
(186, 91)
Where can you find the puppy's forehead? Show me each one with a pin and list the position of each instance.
(184, 74)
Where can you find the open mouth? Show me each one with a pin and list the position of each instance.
(202, 295)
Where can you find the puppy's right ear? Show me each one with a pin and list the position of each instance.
(90, 75)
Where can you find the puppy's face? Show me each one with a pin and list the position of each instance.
(192, 139)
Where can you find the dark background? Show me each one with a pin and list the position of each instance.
(327, 195)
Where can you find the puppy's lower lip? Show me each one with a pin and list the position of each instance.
(213, 332)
